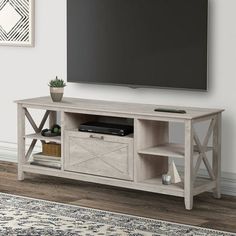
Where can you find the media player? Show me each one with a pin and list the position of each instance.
(106, 128)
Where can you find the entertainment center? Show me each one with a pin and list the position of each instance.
(135, 161)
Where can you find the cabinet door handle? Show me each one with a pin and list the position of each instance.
(97, 137)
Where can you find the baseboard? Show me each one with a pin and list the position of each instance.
(8, 152)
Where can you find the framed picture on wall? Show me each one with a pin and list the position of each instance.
(17, 22)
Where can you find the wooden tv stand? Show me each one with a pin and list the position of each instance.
(135, 161)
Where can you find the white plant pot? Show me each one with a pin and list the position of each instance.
(56, 94)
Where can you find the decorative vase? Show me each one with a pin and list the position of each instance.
(166, 179)
(56, 93)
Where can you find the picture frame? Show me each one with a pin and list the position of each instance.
(17, 20)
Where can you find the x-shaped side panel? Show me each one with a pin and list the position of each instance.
(202, 149)
(36, 129)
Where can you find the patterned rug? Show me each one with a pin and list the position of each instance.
(22, 216)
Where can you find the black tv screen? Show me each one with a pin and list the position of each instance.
(138, 42)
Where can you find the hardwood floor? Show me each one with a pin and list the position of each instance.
(207, 212)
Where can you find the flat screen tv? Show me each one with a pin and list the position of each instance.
(138, 43)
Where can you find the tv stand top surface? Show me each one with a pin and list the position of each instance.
(119, 109)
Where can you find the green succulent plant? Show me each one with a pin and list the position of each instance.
(57, 83)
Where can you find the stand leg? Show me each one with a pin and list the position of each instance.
(188, 165)
(217, 156)
(21, 175)
(21, 140)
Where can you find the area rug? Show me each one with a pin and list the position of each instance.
(22, 216)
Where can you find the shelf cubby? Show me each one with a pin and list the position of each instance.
(201, 185)
(172, 189)
(72, 121)
(169, 150)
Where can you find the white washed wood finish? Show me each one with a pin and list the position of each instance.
(188, 166)
(142, 158)
(148, 134)
(21, 140)
(217, 155)
(170, 149)
(38, 136)
(103, 155)
(119, 109)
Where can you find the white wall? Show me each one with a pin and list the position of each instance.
(26, 71)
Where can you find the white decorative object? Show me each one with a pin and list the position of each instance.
(16, 22)
(166, 179)
(173, 172)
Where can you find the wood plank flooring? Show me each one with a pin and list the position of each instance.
(207, 212)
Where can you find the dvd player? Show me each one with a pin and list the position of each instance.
(106, 128)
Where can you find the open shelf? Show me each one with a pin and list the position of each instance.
(170, 149)
(39, 159)
(37, 169)
(38, 136)
(201, 185)
(45, 165)
(172, 189)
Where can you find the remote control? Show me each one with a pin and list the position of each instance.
(169, 110)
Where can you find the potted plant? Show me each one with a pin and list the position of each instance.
(57, 89)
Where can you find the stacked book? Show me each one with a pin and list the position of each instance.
(48, 161)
